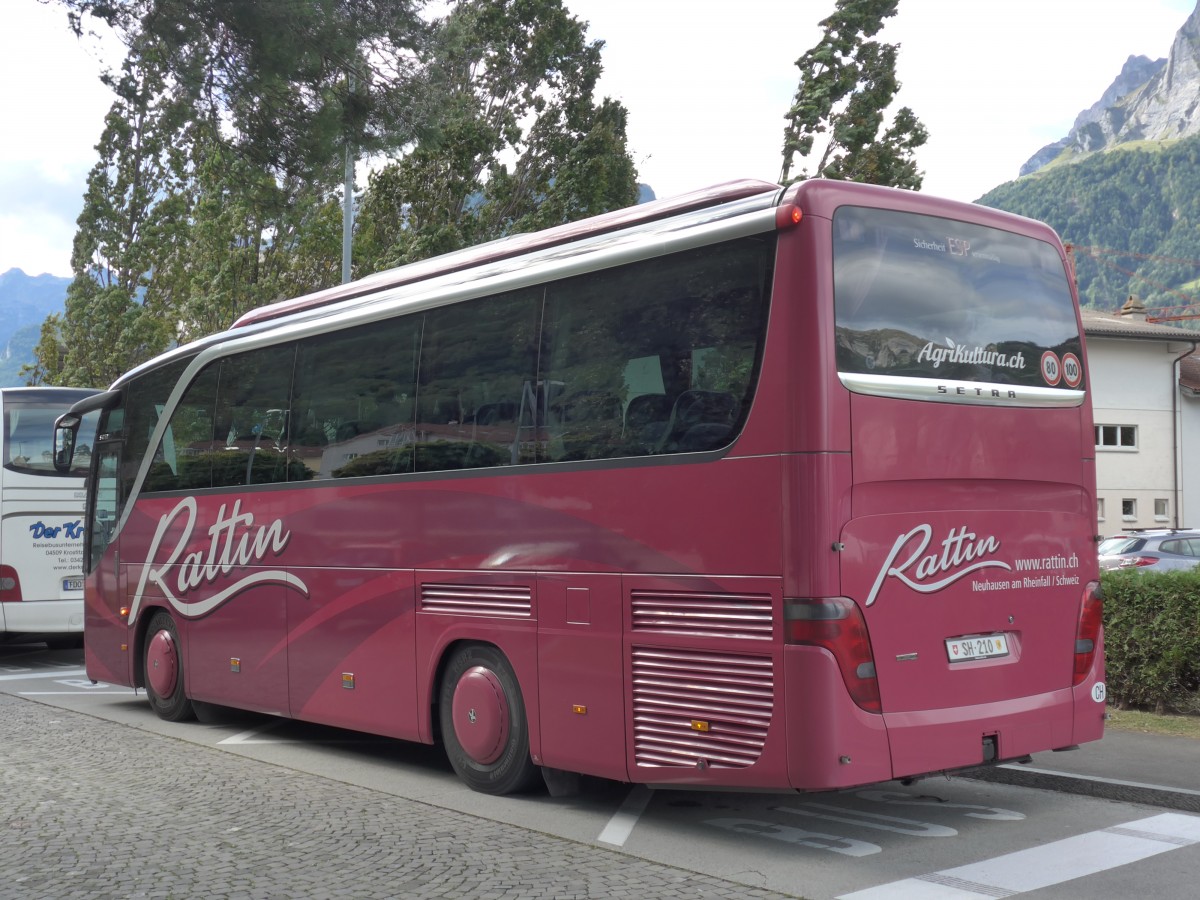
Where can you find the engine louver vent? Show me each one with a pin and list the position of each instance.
(677, 693)
(477, 600)
(685, 612)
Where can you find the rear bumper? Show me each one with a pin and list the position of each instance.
(42, 617)
(832, 743)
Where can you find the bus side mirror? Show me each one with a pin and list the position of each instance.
(65, 431)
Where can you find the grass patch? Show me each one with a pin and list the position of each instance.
(1149, 723)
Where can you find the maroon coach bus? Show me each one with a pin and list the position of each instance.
(755, 487)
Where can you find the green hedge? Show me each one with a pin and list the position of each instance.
(1152, 640)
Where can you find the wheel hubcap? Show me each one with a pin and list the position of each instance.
(162, 664)
(480, 712)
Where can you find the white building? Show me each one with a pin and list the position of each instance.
(1146, 405)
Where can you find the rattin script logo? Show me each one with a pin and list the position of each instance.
(961, 553)
(235, 542)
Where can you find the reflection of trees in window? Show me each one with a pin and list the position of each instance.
(478, 390)
(145, 398)
(646, 334)
(355, 396)
(459, 387)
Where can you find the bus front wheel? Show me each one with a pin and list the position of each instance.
(164, 670)
(483, 724)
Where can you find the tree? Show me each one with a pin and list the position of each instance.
(523, 144)
(291, 81)
(847, 83)
(227, 135)
(129, 209)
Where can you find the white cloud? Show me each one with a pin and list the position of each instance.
(53, 108)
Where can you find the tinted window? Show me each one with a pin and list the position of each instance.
(926, 297)
(656, 357)
(478, 393)
(183, 460)
(230, 427)
(355, 398)
(145, 398)
(251, 418)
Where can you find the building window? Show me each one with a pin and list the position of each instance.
(1129, 510)
(1100, 509)
(1116, 437)
(1162, 510)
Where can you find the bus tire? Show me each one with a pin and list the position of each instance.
(482, 716)
(163, 670)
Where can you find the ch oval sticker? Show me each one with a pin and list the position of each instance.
(1099, 692)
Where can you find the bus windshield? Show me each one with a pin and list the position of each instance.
(29, 437)
(925, 297)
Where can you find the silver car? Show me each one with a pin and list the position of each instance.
(1151, 550)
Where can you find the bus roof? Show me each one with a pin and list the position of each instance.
(514, 245)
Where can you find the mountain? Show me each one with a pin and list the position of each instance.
(1093, 123)
(25, 302)
(1123, 185)
(1151, 100)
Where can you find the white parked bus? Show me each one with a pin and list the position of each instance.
(41, 518)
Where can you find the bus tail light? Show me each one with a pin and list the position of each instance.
(787, 215)
(1087, 636)
(837, 624)
(10, 585)
(1129, 562)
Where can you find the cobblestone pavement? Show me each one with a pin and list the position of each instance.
(94, 809)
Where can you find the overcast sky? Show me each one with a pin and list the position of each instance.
(706, 83)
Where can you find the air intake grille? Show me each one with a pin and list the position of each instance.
(677, 693)
(477, 600)
(721, 615)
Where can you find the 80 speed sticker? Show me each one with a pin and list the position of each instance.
(1051, 368)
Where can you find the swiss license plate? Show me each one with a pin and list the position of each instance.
(73, 584)
(984, 646)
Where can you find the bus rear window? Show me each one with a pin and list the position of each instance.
(926, 297)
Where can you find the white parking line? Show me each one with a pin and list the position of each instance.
(621, 825)
(1048, 864)
(61, 673)
(252, 737)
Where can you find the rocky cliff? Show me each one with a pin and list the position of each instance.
(1151, 100)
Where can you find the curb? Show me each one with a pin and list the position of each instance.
(1089, 786)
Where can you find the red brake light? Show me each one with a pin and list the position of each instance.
(837, 624)
(1130, 561)
(10, 585)
(1087, 636)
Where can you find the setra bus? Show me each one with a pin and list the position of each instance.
(758, 487)
(41, 519)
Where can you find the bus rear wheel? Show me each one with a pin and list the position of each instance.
(164, 670)
(483, 724)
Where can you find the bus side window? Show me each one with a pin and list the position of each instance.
(252, 414)
(476, 402)
(353, 404)
(676, 339)
(183, 459)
